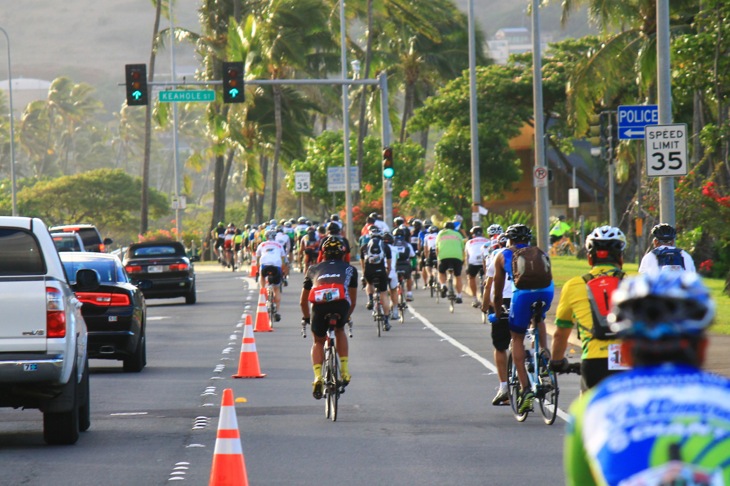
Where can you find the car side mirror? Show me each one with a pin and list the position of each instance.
(144, 285)
(86, 280)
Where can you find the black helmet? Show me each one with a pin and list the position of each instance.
(397, 221)
(449, 225)
(519, 232)
(388, 237)
(332, 248)
(321, 229)
(400, 232)
(476, 231)
(333, 228)
(374, 215)
(417, 225)
(433, 229)
(664, 232)
(302, 220)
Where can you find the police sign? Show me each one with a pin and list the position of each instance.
(666, 150)
(633, 118)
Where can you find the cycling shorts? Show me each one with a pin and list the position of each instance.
(219, 242)
(377, 277)
(501, 336)
(432, 261)
(453, 263)
(520, 313)
(273, 271)
(320, 311)
(592, 371)
(405, 269)
(227, 244)
(474, 270)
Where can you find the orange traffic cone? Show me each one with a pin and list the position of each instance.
(229, 466)
(254, 269)
(248, 364)
(263, 323)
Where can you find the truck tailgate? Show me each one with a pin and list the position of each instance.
(23, 315)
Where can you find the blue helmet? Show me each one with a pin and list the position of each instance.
(661, 305)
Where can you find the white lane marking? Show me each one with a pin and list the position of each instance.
(467, 351)
(127, 414)
(158, 318)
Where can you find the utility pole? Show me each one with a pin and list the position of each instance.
(664, 85)
(541, 193)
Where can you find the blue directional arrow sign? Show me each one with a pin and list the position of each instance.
(633, 118)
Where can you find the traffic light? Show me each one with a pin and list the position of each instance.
(233, 82)
(598, 133)
(388, 169)
(136, 81)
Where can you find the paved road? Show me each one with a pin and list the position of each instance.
(417, 412)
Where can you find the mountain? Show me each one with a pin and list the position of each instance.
(91, 40)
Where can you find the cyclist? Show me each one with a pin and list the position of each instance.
(500, 328)
(331, 288)
(376, 259)
(605, 248)
(218, 234)
(335, 218)
(334, 229)
(520, 312)
(308, 247)
(403, 259)
(237, 246)
(429, 255)
(283, 239)
(271, 260)
(665, 256)
(228, 245)
(474, 260)
(559, 230)
(450, 254)
(666, 421)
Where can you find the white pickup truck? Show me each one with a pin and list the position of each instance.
(43, 362)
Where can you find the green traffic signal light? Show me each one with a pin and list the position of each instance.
(388, 169)
(233, 82)
(136, 83)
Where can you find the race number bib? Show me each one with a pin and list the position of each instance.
(327, 295)
(615, 360)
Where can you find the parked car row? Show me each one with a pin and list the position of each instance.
(62, 307)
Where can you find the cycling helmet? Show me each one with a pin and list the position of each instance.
(411, 221)
(287, 224)
(427, 222)
(476, 231)
(494, 230)
(302, 220)
(373, 215)
(397, 221)
(231, 225)
(293, 221)
(433, 229)
(661, 305)
(502, 238)
(332, 248)
(607, 238)
(400, 232)
(282, 221)
(458, 218)
(518, 232)
(335, 217)
(375, 231)
(270, 235)
(333, 228)
(280, 229)
(664, 232)
(417, 225)
(321, 229)
(388, 237)
(449, 225)
(272, 222)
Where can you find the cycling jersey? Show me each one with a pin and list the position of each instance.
(650, 263)
(329, 281)
(284, 241)
(270, 253)
(574, 309)
(622, 431)
(450, 244)
(473, 250)
(507, 291)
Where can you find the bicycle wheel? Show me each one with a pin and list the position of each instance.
(430, 286)
(271, 307)
(402, 304)
(548, 389)
(513, 383)
(332, 384)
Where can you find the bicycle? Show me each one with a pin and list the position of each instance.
(564, 246)
(402, 304)
(543, 380)
(270, 303)
(378, 313)
(332, 380)
(451, 295)
(433, 285)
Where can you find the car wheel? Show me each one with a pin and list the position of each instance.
(62, 428)
(137, 361)
(191, 298)
(84, 401)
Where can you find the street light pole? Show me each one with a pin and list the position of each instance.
(13, 188)
(541, 193)
(474, 122)
(346, 127)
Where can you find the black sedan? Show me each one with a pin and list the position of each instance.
(115, 311)
(163, 267)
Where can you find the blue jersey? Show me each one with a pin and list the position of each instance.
(631, 424)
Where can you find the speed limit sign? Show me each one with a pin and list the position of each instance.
(301, 182)
(666, 150)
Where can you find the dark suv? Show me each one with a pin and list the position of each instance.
(88, 233)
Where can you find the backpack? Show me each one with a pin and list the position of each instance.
(669, 257)
(531, 268)
(600, 289)
(374, 253)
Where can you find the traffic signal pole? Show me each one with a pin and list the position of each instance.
(664, 88)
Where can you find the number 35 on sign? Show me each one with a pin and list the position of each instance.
(666, 150)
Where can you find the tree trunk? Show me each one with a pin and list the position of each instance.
(144, 206)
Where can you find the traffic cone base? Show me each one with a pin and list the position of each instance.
(248, 365)
(229, 465)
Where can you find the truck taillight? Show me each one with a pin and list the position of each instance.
(55, 313)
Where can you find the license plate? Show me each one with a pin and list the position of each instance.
(154, 269)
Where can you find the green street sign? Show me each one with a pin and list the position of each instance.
(187, 96)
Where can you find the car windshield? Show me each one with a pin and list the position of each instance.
(154, 251)
(106, 270)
